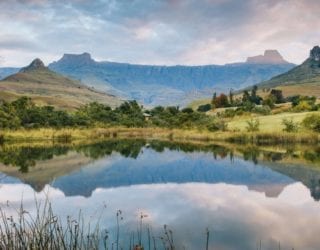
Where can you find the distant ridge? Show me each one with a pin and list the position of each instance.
(153, 85)
(49, 88)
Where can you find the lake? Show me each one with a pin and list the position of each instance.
(246, 196)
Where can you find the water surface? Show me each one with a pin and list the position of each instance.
(242, 194)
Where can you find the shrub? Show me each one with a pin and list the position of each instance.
(269, 101)
(304, 103)
(229, 113)
(303, 106)
(264, 110)
(253, 125)
(187, 110)
(204, 108)
(312, 122)
(218, 125)
(290, 125)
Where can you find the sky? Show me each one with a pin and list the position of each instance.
(162, 32)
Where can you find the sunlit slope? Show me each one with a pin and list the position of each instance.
(46, 87)
(303, 79)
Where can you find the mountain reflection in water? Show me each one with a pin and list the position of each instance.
(243, 194)
(80, 169)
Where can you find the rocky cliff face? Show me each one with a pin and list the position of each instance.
(315, 54)
(269, 57)
(75, 60)
(164, 85)
(307, 72)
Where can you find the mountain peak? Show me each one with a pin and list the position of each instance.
(77, 59)
(269, 57)
(36, 64)
(315, 53)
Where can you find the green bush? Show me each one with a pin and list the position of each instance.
(217, 125)
(264, 110)
(204, 108)
(253, 125)
(290, 125)
(312, 122)
(302, 106)
(269, 101)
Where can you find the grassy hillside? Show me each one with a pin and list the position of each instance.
(46, 87)
(268, 123)
(303, 79)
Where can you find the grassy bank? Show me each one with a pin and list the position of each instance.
(72, 134)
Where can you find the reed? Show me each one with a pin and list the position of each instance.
(72, 134)
(46, 230)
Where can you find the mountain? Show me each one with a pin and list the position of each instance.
(167, 85)
(49, 88)
(269, 57)
(303, 79)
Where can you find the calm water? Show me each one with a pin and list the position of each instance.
(242, 194)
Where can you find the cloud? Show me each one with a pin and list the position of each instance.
(237, 218)
(159, 32)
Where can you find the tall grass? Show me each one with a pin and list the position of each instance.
(71, 135)
(46, 230)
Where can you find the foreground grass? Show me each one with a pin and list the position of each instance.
(47, 230)
(267, 135)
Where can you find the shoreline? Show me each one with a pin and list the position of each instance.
(72, 134)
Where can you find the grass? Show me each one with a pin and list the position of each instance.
(71, 135)
(46, 87)
(46, 230)
(270, 129)
(269, 123)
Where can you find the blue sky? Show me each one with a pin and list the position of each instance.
(191, 32)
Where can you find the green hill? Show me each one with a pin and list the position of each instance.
(303, 79)
(46, 87)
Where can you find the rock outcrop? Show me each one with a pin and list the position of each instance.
(269, 57)
(36, 64)
(315, 54)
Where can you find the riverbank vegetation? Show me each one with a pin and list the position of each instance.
(242, 120)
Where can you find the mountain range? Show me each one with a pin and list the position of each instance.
(303, 79)
(169, 85)
(46, 87)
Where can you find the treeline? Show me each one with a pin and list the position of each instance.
(252, 102)
(23, 113)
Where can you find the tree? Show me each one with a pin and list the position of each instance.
(254, 98)
(231, 97)
(214, 96)
(221, 101)
(245, 96)
(278, 96)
